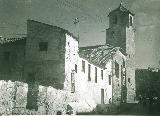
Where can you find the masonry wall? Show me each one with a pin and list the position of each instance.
(46, 66)
(71, 60)
(117, 81)
(130, 64)
(14, 99)
(116, 33)
(12, 60)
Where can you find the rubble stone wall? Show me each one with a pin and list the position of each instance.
(13, 99)
(117, 84)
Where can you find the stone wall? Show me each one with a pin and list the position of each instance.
(12, 60)
(47, 66)
(14, 99)
(130, 64)
(117, 81)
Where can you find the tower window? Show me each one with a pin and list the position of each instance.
(129, 80)
(131, 21)
(43, 46)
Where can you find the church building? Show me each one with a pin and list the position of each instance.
(48, 73)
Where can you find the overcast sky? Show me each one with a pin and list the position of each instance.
(93, 21)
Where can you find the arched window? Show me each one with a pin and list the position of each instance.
(131, 21)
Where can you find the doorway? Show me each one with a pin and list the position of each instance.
(102, 96)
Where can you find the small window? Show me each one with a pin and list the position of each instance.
(102, 74)
(6, 56)
(131, 21)
(43, 46)
(95, 74)
(109, 79)
(83, 66)
(76, 68)
(129, 80)
(89, 72)
(116, 69)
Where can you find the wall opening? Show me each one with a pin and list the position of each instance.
(131, 20)
(109, 80)
(95, 74)
(89, 72)
(116, 69)
(43, 46)
(83, 66)
(102, 74)
(76, 68)
(102, 96)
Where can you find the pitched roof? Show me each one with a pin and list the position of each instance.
(55, 27)
(122, 9)
(9, 40)
(98, 55)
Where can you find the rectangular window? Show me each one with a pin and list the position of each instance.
(131, 21)
(43, 46)
(6, 56)
(95, 74)
(83, 66)
(72, 83)
(116, 69)
(109, 79)
(75, 68)
(102, 74)
(89, 72)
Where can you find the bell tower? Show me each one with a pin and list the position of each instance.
(121, 34)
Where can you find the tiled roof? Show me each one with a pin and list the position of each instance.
(98, 55)
(9, 40)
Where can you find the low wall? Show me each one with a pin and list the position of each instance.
(13, 98)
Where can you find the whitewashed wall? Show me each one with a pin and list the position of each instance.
(89, 90)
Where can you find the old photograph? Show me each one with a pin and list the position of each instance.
(80, 57)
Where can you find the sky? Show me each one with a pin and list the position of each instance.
(93, 17)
